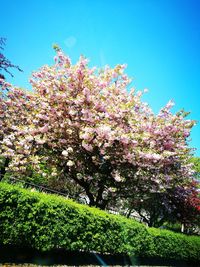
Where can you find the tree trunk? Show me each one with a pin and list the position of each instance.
(3, 169)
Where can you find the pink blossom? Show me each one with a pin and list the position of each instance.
(44, 129)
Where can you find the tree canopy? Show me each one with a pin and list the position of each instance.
(94, 134)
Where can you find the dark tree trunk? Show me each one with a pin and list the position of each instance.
(129, 213)
(3, 169)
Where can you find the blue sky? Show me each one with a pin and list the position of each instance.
(158, 39)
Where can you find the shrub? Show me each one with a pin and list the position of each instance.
(44, 222)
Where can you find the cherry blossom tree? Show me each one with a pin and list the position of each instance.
(5, 66)
(93, 133)
(15, 106)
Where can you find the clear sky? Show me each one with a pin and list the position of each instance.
(158, 39)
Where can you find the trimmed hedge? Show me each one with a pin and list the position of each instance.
(44, 222)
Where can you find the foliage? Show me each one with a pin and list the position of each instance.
(45, 222)
(177, 244)
(102, 141)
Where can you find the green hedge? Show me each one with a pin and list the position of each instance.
(45, 222)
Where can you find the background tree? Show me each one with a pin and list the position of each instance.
(5, 64)
(173, 205)
(176, 204)
(93, 134)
